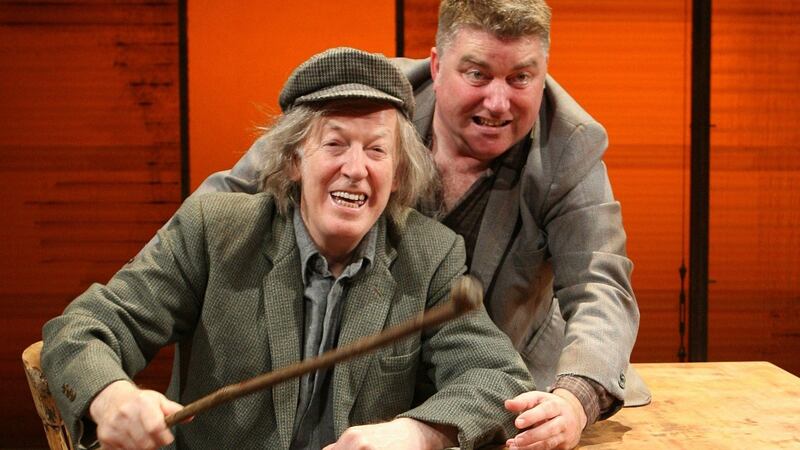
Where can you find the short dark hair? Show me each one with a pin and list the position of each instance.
(502, 18)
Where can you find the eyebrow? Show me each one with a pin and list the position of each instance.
(334, 125)
(479, 62)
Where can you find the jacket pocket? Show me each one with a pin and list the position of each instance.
(388, 389)
(399, 363)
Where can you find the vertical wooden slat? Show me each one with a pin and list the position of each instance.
(89, 161)
(420, 18)
(698, 242)
(754, 259)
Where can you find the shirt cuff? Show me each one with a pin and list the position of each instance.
(591, 395)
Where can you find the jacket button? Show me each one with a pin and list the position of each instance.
(68, 392)
(622, 380)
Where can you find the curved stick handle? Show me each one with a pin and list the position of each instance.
(466, 294)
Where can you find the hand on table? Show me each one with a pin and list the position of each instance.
(131, 418)
(402, 433)
(550, 421)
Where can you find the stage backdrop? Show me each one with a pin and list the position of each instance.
(91, 165)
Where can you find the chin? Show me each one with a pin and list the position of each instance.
(347, 232)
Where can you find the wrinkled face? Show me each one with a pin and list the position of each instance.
(346, 176)
(488, 91)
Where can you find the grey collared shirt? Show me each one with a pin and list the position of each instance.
(323, 296)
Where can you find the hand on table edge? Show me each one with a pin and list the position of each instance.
(546, 420)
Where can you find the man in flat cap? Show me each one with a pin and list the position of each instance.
(327, 253)
(523, 181)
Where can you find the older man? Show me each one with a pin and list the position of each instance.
(525, 185)
(328, 253)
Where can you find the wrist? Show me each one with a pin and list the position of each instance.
(107, 396)
(575, 403)
(429, 435)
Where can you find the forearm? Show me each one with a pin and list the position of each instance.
(592, 283)
(400, 433)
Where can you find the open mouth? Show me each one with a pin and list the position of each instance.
(348, 199)
(489, 122)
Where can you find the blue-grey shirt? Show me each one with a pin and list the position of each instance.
(323, 296)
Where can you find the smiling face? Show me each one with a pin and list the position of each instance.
(488, 92)
(346, 175)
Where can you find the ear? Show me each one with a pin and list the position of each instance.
(434, 63)
(294, 169)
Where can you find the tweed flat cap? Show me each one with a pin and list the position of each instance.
(344, 72)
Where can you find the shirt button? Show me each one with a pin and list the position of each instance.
(622, 380)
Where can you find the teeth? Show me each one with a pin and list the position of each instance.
(491, 123)
(349, 196)
(348, 199)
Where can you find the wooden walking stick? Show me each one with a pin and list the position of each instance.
(466, 294)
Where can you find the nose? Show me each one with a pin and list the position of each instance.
(496, 100)
(354, 165)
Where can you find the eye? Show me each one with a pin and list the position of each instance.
(334, 146)
(474, 76)
(377, 152)
(521, 79)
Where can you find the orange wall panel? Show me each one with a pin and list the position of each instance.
(240, 54)
(627, 63)
(754, 238)
(89, 162)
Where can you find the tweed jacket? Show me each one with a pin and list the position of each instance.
(224, 283)
(551, 248)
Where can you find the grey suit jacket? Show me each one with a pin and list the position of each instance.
(551, 247)
(224, 283)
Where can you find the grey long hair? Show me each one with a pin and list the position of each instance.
(415, 175)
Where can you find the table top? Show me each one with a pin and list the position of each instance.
(719, 405)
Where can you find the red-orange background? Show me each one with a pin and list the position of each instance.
(90, 145)
(240, 54)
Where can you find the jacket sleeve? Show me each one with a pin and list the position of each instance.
(473, 366)
(110, 332)
(591, 269)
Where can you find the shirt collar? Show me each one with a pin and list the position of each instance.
(311, 259)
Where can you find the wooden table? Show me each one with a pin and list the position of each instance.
(727, 405)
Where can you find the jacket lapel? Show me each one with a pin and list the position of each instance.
(499, 222)
(366, 308)
(283, 291)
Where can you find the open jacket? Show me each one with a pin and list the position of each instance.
(224, 282)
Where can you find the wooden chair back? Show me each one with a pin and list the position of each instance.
(56, 432)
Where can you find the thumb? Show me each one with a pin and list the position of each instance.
(169, 407)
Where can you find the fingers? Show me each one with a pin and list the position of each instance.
(153, 425)
(133, 419)
(549, 422)
(525, 401)
(548, 435)
(168, 407)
